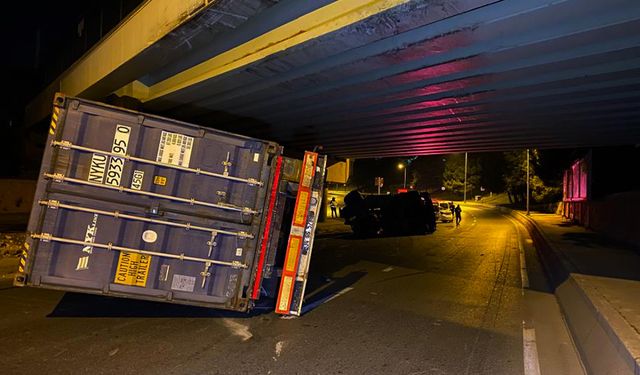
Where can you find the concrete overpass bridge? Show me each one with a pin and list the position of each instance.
(372, 78)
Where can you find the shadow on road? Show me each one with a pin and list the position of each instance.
(319, 293)
(93, 306)
(76, 305)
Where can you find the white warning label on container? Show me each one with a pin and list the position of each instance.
(175, 149)
(183, 283)
(137, 179)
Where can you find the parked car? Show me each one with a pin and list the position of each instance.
(444, 211)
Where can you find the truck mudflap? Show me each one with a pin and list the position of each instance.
(300, 242)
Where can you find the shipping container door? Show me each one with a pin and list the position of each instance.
(135, 205)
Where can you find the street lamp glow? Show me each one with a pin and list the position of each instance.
(402, 166)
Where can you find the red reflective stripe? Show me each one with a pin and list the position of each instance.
(265, 236)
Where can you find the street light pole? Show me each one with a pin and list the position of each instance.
(405, 177)
(528, 179)
(465, 178)
(404, 166)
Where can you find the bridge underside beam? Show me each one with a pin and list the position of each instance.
(370, 78)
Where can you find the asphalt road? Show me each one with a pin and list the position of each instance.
(447, 303)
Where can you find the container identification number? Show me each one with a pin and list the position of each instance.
(119, 147)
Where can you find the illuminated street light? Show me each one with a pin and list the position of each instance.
(402, 166)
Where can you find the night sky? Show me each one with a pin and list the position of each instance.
(43, 39)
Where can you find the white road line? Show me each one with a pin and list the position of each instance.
(325, 286)
(530, 352)
(343, 291)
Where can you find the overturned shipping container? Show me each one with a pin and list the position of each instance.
(139, 206)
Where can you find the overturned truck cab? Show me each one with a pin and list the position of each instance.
(134, 205)
(394, 214)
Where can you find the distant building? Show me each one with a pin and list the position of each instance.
(601, 191)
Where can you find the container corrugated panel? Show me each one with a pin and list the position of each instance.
(140, 206)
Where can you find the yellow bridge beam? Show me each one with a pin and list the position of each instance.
(146, 25)
(312, 25)
(156, 18)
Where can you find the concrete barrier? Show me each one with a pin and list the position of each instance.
(597, 327)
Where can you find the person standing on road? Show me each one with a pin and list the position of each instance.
(452, 207)
(334, 207)
(458, 215)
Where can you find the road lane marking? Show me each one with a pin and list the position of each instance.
(306, 307)
(320, 289)
(530, 352)
(342, 292)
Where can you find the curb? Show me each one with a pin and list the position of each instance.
(556, 265)
(591, 321)
(601, 349)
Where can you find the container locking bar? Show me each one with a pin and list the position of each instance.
(57, 177)
(54, 204)
(67, 145)
(205, 273)
(211, 243)
(47, 237)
